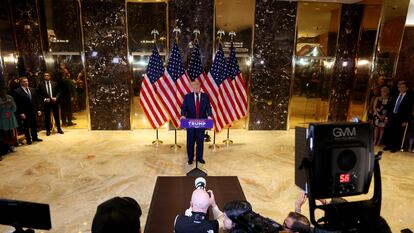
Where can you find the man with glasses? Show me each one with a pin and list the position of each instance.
(49, 95)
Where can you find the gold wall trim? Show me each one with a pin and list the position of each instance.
(83, 59)
(130, 72)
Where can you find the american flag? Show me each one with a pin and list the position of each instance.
(175, 70)
(148, 97)
(167, 94)
(222, 93)
(238, 83)
(195, 67)
(208, 85)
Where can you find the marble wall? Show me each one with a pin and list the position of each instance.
(104, 30)
(190, 15)
(274, 42)
(405, 69)
(344, 67)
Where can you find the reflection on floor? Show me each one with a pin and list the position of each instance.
(307, 110)
(76, 171)
(81, 120)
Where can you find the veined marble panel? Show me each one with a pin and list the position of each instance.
(104, 31)
(273, 48)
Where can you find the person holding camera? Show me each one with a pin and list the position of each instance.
(232, 211)
(195, 220)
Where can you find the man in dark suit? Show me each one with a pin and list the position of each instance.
(67, 87)
(49, 94)
(195, 105)
(398, 117)
(27, 102)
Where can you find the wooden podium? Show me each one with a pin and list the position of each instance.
(196, 124)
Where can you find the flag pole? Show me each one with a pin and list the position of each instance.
(228, 141)
(157, 141)
(176, 146)
(214, 146)
(196, 32)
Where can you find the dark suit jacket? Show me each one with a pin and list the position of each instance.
(188, 109)
(404, 110)
(43, 91)
(23, 102)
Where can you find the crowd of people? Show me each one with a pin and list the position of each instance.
(121, 214)
(392, 115)
(27, 107)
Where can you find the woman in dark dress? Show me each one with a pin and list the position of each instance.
(380, 114)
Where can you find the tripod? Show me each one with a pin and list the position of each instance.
(196, 172)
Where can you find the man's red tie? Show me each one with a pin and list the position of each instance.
(197, 105)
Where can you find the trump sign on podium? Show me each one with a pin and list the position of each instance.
(196, 123)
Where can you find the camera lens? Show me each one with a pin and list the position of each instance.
(346, 160)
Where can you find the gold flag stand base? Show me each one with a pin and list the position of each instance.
(175, 146)
(214, 146)
(157, 141)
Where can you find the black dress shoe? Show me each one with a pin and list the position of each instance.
(393, 150)
(202, 161)
(387, 148)
(60, 131)
(29, 142)
(47, 133)
(189, 162)
(37, 140)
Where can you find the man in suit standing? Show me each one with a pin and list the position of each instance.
(67, 87)
(398, 117)
(195, 105)
(27, 102)
(49, 94)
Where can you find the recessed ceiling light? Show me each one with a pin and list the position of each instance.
(305, 3)
(317, 8)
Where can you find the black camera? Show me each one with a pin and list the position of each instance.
(255, 223)
(21, 214)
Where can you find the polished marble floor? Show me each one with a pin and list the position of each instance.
(76, 171)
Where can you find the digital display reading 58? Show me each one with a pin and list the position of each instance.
(344, 178)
